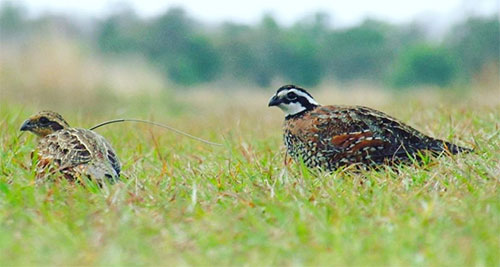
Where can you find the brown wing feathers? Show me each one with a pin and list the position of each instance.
(332, 136)
(73, 152)
(351, 135)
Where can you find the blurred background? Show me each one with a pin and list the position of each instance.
(107, 49)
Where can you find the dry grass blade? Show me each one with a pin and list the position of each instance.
(158, 125)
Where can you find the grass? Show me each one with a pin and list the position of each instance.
(185, 203)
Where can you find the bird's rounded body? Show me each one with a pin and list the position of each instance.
(77, 152)
(328, 137)
(73, 152)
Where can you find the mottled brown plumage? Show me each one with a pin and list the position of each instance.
(332, 136)
(73, 152)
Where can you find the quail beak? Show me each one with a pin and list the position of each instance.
(26, 126)
(274, 101)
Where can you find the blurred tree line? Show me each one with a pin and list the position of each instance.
(189, 52)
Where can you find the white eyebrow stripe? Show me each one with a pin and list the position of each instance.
(300, 93)
(284, 92)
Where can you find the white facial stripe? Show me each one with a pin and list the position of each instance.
(300, 93)
(291, 108)
(282, 93)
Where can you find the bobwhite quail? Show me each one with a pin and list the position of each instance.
(332, 136)
(73, 152)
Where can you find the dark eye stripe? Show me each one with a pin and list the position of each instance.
(56, 126)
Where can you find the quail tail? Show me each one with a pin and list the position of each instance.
(439, 146)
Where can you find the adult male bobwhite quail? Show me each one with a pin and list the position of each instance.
(332, 136)
(73, 152)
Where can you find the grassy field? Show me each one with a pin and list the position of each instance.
(186, 203)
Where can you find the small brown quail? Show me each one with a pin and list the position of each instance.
(72, 152)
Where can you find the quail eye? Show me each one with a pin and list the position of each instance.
(43, 120)
(291, 96)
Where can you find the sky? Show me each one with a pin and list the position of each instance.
(342, 12)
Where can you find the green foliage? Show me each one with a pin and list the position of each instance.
(300, 62)
(311, 50)
(237, 52)
(424, 65)
(475, 43)
(170, 41)
(267, 46)
(12, 18)
(358, 52)
(195, 63)
(121, 32)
